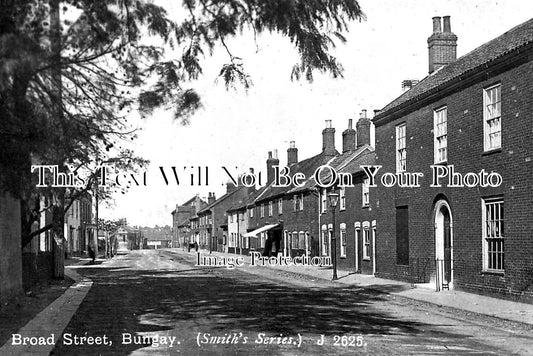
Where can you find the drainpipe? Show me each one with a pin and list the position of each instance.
(239, 234)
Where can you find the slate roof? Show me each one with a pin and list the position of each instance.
(219, 200)
(348, 162)
(250, 200)
(512, 40)
(189, 202)
(184, 222)
(307, 167)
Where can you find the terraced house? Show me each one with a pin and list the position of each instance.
(286, 219)
(355, 224)
(468, 116)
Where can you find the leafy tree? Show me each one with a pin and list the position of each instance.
(72, 72)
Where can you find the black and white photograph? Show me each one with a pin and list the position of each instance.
(277, 177)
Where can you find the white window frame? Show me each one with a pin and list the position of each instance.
(298, 202)
(262, 210)
(493, 233)
(440, 135)
(492, 117)
(263, 239)
(294, 240)
(342, 236)
(280, 206)
(366, 244)
(301, 240)
(324, 235)
(401, 147)
(342, 198)
(270, 208)
(323, 201)
(365, 192)
(251, 212)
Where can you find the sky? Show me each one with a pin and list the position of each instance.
(236, 128)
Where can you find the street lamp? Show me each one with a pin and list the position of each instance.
(333, 200)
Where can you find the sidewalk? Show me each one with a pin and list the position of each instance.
(499, 308)
(54, 318)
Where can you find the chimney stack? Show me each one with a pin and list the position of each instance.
(230, 187)
(442, 44)
(408, 84)
(363, 130)
(348, 138)
(292, 154)
(328, 139)
(211, 198)
(271, 162)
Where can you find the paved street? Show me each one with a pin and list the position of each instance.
(157, 302)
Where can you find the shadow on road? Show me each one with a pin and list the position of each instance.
(185, 302)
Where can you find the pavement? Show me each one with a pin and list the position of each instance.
(53, 320)
(469, 302)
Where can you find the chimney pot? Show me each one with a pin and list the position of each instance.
(328, 139)
(363, 130)
(271, 162)
(292, 153)
(447, 24)
(348, 138)
(436, 24)
(442, 46)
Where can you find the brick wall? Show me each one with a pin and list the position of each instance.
(354, 212)
(10, 249)
(465, 152)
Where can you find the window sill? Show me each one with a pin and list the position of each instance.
(366, 258)
(492, 151)
(365, 206)
(493, 273)
(443, 163)
(343, 257)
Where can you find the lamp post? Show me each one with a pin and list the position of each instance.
(333, 200)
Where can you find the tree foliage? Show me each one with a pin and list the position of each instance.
(73, 72)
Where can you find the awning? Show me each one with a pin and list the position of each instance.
(260, 230)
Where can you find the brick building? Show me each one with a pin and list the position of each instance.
(472, 113)
(78, 230)
(213, 219)
(181, 220)
(286, 219)
(355, 224)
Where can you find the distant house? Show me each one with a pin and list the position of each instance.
(213, 219)
(79, 225)
(129, 238)
(470, 114)
(181, 220)
(156, 238)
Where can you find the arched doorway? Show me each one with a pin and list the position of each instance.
(443, 245)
